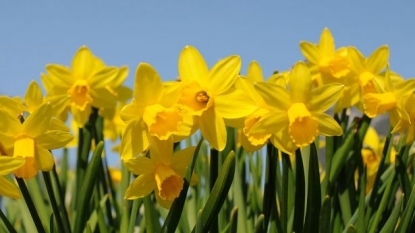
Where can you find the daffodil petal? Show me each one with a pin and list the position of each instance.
(274, 95)
(326, 44)
(270, 123)
(324, 97)
(300, 83)
(9, 164)
(83, 63)
(139, 165)
(104, 77)
(254, 73)
(357, 59)
(213, 129)
(44, 159)
(54, 139)
(181, 159)
(81, 116)
(141, 187)
(283, 142)
(310, 51)
(34, 96)
(163, 203)
(327, 126)
(148, 87)
(132, 111)
(192, 65)
(59, 76)
(134, 140)
(161, 151)
(223, 75)
(8, 189)
(234, 105)
(39, 121)
(378, 59)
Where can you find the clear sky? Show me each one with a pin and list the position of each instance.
(34, 33)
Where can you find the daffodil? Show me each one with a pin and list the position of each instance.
(32, 139)
(368, 69)
(297, 116)
(386, 99)
(152, 112)
(162, 172)
(211, 95)
(328, 65)
(406, 120)
(87, 84)
(8, 165)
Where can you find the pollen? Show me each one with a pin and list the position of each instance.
(202, 96)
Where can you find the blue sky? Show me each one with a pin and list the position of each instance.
(33, 34)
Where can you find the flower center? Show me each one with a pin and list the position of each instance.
(303, 127)
(202, 96)
(80, 93)
(169, 183)
(24, 146)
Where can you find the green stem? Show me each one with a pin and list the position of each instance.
(52, 198)
(30, 205)
(7, 223)
(214, 171)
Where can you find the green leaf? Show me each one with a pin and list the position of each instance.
(8, 225)
(408, 214)
(314, 193)
(233, 224)
(87, 188)
(361, 224)
(393, 218)
(259, 225)
(299, 193)
(325, 215)
(219, 192)
(151, 217)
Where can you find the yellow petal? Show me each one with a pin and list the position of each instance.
(324, 97)
(270, 123)
(254, 73)
(161, 151)
(24, 146)
(81, 116)
(9, 164)
(181, 159)
(44, 159)
(223, 75)
(28, 170)
(147, 86)
(375, 104)
(54, 139)
(213, 129)
(255, 139)
(163, 203)
(103, 98)
(13, 106)
(39, 121)
(8, 189)
(83, 63)
(303, 127)
(310, 51)
(104, 77)
(134, 140)
(141, 187)
(139, 165)
(162, 122)
(169, 183)
(282, 141)
(192, 65)
(357, 60)
(300, 83)
(274, 95)
(59, 76)
(33, 97)
(378, 59)
(194, 97)
(235, 104)
(327, 126)
(132, 111)
(326, 44)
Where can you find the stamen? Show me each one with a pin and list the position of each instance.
(202, 96)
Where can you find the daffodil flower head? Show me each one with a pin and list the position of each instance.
(211, 95)
(162, 172)
(297, 115)
(87, 84)
(32, 139)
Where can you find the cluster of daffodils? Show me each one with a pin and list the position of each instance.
(288, 110)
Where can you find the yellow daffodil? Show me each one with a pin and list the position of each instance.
(8, 165)
(406, 120)
(33, 139)
(88, 83)
(386, 99)
(328, 65)
(152, 112)
(368, 69)
(162, 172)
(211, 95)
(297, 116)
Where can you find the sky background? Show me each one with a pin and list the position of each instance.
(33, 34)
